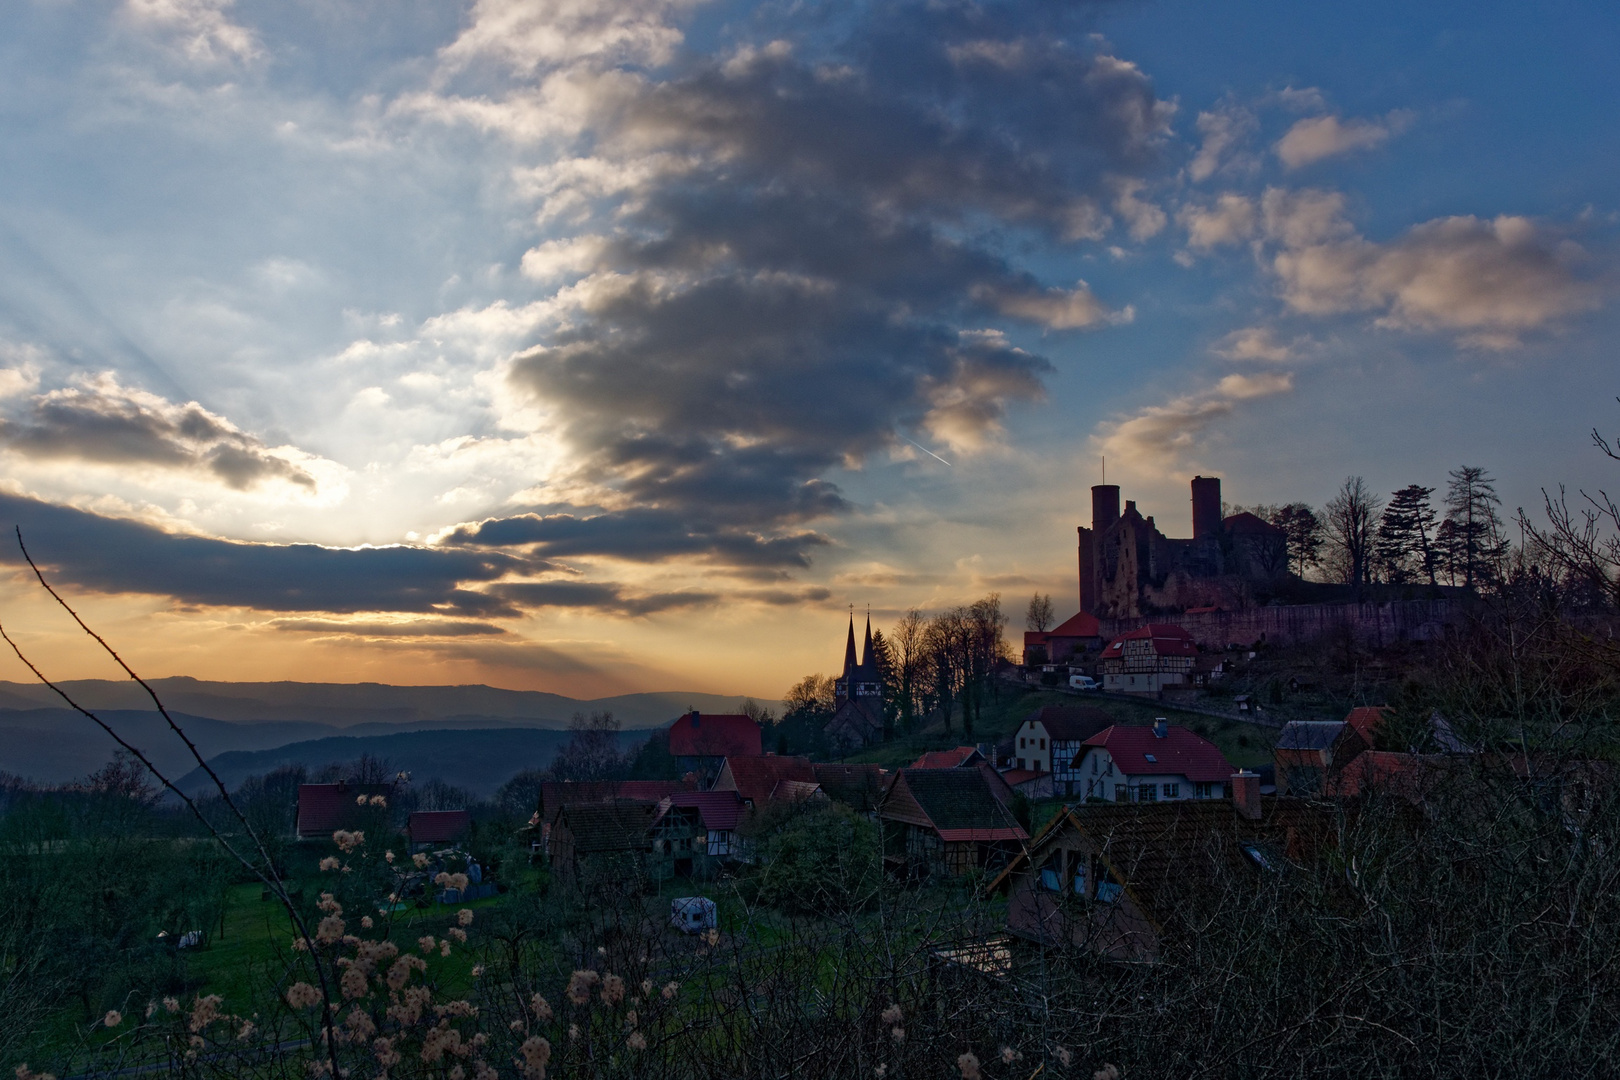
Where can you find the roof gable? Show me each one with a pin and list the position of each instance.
(1178, 753)
(958, 804)
(948, 759)
(1081, 624)
(714, 735)
(1167, 640)
(325, 808)
(755, 777)
(1366, 718)
(612, 826)
(437, 826)
(716, 810)
(1071, 723)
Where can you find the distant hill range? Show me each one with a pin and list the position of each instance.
(480, 759)
(43, 741)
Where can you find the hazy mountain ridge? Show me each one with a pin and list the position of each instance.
(43, 741)
(478, 759)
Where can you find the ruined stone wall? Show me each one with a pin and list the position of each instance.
(1375, 624)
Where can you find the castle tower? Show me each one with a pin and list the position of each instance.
(1206, 507)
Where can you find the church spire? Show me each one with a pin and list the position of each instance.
(866, 650)
(849, 648)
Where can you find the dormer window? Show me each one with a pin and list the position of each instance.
(1151, 758)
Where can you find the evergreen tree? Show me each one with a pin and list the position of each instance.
(1475, 535)
(1304, 531)
(888, 678)
(1404, 549)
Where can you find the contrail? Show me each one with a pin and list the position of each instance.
(927, 451)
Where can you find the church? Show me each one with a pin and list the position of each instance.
(857, 719)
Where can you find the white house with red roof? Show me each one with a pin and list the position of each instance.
(1147, 659)
(1165, 762)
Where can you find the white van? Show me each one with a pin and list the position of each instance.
(1082, 682)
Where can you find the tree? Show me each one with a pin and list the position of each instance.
(1303, 530)
(1475, 536)
(1039, 617)
(1350, 528)
(909, 646)
(592, 751)
(1404, 549)
(947, 660)
(811, 696)
(883, 659)
(759, 714)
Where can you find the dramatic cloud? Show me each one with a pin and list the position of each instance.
(1161, 438)
(103, 422)
(116, 556)
(637, 535)
(1317, 137)
(789, 257)
(1490, 281)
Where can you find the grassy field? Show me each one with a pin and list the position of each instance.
(1246, 745)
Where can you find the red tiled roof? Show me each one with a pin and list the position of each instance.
(1366, 718)
(714, 735)
(859, 786)
(437, 826)
(795, 790)
(755, 777)
(1179, 753)
(1168, 640)
(555, 794)
(957, 803)
(1407, 775)
(1071, 723)
(945, 759)
(718, 810)
(1082, 624)
(1015, 777)
(325, 808)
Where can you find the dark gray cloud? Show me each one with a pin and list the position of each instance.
(808, 285)
(88, 551)
(413, 628)
(637, 535)
(601, 595)
(104, 422)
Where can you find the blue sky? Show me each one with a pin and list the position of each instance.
(615, 330)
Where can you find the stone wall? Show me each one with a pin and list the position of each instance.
(1375, 624)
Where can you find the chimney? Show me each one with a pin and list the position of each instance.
(694, 718)
(1161, 727)
(1206, 506)
(1104, 506)
(1246, 794)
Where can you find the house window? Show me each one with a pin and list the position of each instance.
(1147, 793)
(1080, 877)
(1052, 873)
(1043, 744)
(1122, 793)
(1093, 764)
(1172, 791)
(1203, 790)
(1108, 889)
(1020, 763)
(1020, 741)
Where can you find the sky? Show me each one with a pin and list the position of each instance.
(608, 347)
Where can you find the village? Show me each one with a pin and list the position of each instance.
(1089, 816)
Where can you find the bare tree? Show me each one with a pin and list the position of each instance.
(1351, 525)
(908, 640)
(1583, 543)
(592, 751)
(1039, 617)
